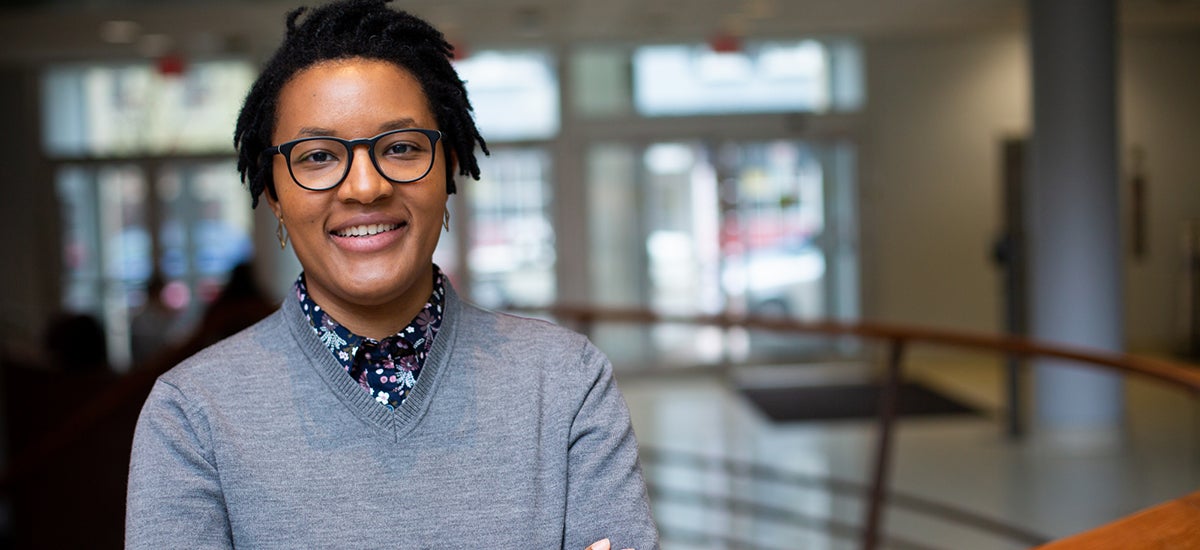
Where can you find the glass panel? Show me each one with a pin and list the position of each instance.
(125, 249)
(515, 94)
(223, 219)
(774, 243)
(841, 233)
(126, 241)
(175, 247)
(64, 112)
(198, 218)
(81, 245)
(205, 231)
(98, 110)
(739, 227)
(773, 214)
(106, 247)
(681, 221)
(616, 248)
(614, 231)
(511, 254)
(600, 82)
(763, 77)
(846, 75)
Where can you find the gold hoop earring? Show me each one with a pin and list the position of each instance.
(282, 234)
(446, 220)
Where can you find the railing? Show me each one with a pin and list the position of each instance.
(897, 339)
(834, 486)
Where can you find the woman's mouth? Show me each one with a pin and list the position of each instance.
(366, 230)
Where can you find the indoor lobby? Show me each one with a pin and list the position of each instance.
(918, 274)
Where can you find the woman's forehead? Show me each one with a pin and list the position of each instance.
(352, 95)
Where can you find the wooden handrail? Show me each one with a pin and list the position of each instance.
(897, 337)
(1173, 373)
(1172, 524)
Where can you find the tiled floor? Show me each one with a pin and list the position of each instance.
(691, 422)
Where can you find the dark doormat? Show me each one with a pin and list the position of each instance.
(848, 402)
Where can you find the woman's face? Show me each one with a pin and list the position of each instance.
(358, 279)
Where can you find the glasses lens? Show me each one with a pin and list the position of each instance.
(318, 163)
(404, 155)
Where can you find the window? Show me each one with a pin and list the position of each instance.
(109, 111)
(515, 94)
(511, 254)
(764, 77)
(192, 218)
(510, 249)
(600, 82)
(146, 184)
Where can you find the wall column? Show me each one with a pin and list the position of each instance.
(1073, 215)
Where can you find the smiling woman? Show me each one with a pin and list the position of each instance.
(376, 408)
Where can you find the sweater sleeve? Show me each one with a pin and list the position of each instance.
(174, 498)
(606, 494)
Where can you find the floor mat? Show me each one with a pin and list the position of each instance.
(846, 402)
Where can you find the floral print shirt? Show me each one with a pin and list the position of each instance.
(388, 368)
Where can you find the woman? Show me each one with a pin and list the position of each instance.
(375, 408)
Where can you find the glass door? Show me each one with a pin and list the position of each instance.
(772, 217)
(204, 230)
(143, 236)
(751, 227)
(106, 246)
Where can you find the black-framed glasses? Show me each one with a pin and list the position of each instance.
(321, 163)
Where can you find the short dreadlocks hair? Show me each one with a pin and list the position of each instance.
(349, 29)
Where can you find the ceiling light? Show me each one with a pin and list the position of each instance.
(120, 32)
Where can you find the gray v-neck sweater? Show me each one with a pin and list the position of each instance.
(515, 436)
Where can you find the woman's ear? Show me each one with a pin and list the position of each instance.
(274, 204)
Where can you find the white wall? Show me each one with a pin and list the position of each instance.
(930, 191)
(938, 110)
(1160, 98)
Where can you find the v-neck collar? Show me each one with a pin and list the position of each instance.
(395, 423)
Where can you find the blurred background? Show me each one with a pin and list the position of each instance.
(851, 160)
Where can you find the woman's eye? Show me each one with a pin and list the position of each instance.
(317, 157)
(401, 148)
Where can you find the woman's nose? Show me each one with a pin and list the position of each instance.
(364, 184)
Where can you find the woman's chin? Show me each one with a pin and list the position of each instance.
(375, 291)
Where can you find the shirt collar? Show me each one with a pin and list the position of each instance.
(344, 344)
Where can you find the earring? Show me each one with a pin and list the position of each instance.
(446, 220)
(281, 233)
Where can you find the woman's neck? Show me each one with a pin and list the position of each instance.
(375, 320)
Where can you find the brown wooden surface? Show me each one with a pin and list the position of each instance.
(1171, 525)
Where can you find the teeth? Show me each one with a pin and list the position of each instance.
(365, 230)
